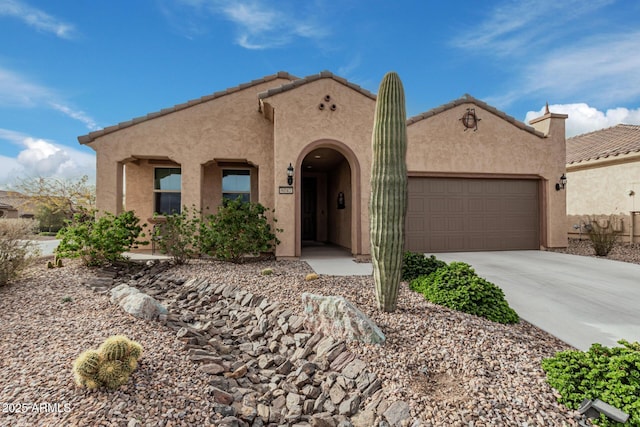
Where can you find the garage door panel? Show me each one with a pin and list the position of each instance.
(457, 214)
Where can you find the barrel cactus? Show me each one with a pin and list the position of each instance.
(87, 363)
(388, 205)
(113, 373)
(109, 366)
(115, 347)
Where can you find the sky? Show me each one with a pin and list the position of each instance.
(70, 67)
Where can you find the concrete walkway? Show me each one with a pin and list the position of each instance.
(581, 300)
(334, 261)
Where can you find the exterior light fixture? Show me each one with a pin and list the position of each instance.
(290, 174)
(563, 181)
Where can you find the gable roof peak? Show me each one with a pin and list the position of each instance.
(325, 74)
(468, 99)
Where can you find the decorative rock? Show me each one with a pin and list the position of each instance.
(334, 315)
(120, 292)
(354, 368)
(350, 405)
(211, 369)
(142, 306)
(221, 396)
(397, 413)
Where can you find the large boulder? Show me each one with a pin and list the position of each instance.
(335, 316)
(137, 303)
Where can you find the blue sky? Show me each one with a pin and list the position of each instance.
(70, 67)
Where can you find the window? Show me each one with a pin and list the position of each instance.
(236, 183)
(166, 188)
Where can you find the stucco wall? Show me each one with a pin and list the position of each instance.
(604, 187)
(299, 127)
(439, 144)
(225, 128)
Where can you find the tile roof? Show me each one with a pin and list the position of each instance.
(322, 75)
(610, 142)
(85, 139)
(466, 99)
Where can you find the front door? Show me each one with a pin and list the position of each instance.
(309, 208)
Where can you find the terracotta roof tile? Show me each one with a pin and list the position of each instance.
(613, 141)
(85, 139)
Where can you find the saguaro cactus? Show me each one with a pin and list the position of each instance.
(388, 203)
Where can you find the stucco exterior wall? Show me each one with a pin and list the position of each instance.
(299, 127)
(226, 128)
(270, 131)
(604, 188)
(440, 145)
(601, 188)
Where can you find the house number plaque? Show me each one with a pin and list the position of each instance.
(286, 190)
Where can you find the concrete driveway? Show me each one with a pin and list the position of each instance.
(581, 300)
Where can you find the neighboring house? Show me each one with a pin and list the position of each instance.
(14, 205)
(8, 211)
(478, 179)
(603, 178)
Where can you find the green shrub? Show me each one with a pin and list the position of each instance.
(416, 264)
(457, 286)
(603, 235)
(237, 230)
(16, 250)
(102, 241)
(609, 374)
(177, 235)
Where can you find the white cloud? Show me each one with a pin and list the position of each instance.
(41, 158)
(557, 50)
(36, 18)
(515, 27)
(258, 24)
(600, 70)
(584, 118)
(17, 91)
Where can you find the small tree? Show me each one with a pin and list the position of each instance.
(102, 241)
(59, 196)
(603, 235)
(237, 230)
(16, 250)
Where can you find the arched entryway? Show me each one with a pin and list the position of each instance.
(328, 205)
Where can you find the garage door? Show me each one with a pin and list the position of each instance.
(459, 214)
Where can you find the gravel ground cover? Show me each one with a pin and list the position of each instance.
(453, 369)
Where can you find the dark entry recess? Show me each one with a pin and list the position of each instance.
(309, 208)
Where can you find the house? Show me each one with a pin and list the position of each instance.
(478, 178)
(603, 178)
(8, 211)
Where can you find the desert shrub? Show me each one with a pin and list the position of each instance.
(237, 230)
(101, 241)
(177, 235)
(417, 264)
(609, 374)
(603, 235)
(457, 286)
(16, 250)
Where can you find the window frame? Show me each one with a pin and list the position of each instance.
(157, 191)
(236, 193)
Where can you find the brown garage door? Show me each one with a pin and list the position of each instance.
(460, 214)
